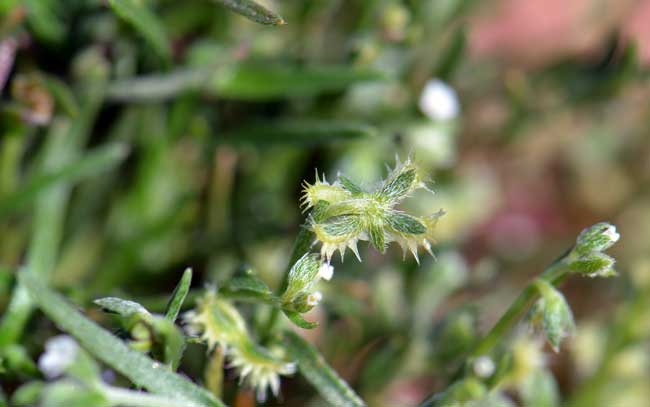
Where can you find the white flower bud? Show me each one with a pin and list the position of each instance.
(326, 271)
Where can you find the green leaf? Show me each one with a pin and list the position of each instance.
(178, 296)
(313, 367)
(273, 81)
(377, 237)
(342, 225)
(249, 287)
(297, 319)
(404, 223)
(140, 369)
(72, 394)
(122, 307)
(92, 163)
(145, 22)
(309, 132)
(253, 11)
(27, 394)
(349, 185)
(399, 184)
(43, 20)
(157, 87)
(540, 389)
(554, 314)
(171, 339)
(452, 56)
(63, 95)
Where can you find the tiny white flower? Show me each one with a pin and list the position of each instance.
(326, 271)
(439, 101)
(484, 367)
(60, 352)
(612, 234)
(314, 298)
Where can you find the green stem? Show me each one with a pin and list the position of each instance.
(301, 246)
(554, 274)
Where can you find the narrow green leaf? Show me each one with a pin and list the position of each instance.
(399, 184)
(122, 307)
(272, 81)
(63, 95)
(452, 56)
(43, 20)
(308, 132)
(253, 11)
(145, 22)
(313, 367)
(342, 225)
(349, 185)
(93, 163)
(140, 369)
(377, 237)
(157, 87)
(297, 319)
(173, 341)
(404, 223)
(178, 296)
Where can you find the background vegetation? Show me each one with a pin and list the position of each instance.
(139, 138)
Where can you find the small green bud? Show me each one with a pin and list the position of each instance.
(553, 313)
(587, 257)
(303, 276)
(594, 264)
(596, 238)
(305, 302)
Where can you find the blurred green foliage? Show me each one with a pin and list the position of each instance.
(142, 137)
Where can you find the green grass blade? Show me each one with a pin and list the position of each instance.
(140, 369)
(308, 132)
(146, 23)
(314, 368)
(93, 163)
(178, 296)
(264, 81)
(157, 87)
(253, 11)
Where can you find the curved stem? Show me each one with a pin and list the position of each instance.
(554, 274)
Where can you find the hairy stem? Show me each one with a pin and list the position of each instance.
(554, 274)
(301, 245)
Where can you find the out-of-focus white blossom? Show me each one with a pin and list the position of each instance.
(314, 298)
(60, 352)
(439, 101)
(484, 366)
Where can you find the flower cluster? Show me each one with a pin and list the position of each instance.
(587, 256)
(343, 213)
(218, 323)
